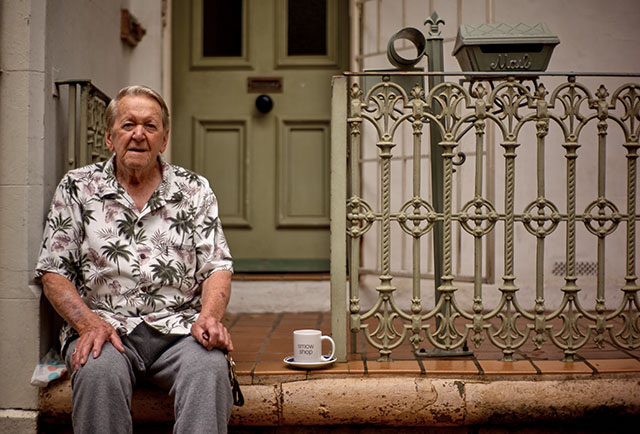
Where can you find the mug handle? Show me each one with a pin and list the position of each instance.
(333, 346)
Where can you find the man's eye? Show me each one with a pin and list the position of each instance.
(127, 126)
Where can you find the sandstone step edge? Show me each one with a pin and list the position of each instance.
(397, 401)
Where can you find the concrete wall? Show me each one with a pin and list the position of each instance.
(595, 36)
(41, 42)
(21, 167)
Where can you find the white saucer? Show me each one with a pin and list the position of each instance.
(326, 361)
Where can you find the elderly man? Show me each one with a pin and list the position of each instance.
(135, 261)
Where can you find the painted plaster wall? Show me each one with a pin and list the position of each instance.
(595, 36)
(39, 44)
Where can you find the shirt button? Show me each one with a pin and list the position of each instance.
(140, 224)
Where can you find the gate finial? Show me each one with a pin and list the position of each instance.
(435, 22)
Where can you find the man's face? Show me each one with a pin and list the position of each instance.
(137, 135)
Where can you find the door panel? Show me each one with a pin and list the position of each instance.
(229, 138)
(303, 169)
(270, 171)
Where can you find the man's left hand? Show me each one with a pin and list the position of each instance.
(211, 333)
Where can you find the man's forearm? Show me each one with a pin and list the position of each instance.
(93, 331)
(64, 298)
(208, 328)
(216, 291)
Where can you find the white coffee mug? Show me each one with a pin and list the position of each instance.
(307, 346)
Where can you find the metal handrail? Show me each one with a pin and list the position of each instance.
(498, 75)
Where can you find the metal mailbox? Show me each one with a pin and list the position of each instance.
(504, 47)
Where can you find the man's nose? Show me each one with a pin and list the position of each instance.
(138, 132)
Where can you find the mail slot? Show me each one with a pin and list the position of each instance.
(264, 84)
(504, 47)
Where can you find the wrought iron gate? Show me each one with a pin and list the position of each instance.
(522, 109)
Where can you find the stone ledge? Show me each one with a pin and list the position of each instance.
(396, 401)
(18, 421)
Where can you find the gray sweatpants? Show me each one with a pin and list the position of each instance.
(197, 379)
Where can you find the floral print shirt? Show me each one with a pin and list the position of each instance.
(131, 266)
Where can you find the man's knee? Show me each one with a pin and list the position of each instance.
(199, 361)
(101, 393)
(110, 369)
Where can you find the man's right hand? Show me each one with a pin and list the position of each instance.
(92, 338)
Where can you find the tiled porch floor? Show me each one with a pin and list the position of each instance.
(262, 341)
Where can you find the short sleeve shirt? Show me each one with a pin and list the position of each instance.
(131, 266)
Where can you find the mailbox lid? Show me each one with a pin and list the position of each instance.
(477, 45)
(502, 33)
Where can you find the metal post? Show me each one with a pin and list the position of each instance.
(71, 139)
(435, 63)
(338, 216)
(84, 122)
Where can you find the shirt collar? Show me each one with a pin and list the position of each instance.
(109, 185)
(166, 188)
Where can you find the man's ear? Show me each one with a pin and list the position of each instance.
(107, 139)
(165, 140)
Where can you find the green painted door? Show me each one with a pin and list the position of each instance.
(269, 170)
